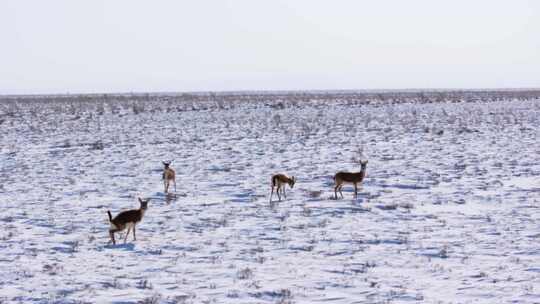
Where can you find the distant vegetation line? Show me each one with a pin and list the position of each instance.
(411, 95)
(122, 104)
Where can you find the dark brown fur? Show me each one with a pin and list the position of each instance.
(353, 178)
(278, 180)
(128, 219)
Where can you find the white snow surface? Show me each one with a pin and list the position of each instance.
(449, 211)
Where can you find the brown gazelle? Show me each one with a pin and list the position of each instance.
(279, 181)
(127, 219)
(168, 175)
(353, 178)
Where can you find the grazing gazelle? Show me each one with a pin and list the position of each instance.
(168, 175)
(353, 178)
(279, 181)
(128, 218)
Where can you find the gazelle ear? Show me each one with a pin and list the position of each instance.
(140, 200)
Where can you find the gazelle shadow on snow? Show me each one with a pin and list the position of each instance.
(126, 246)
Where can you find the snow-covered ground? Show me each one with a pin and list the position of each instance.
(449, 211)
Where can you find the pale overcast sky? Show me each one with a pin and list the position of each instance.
(75, 46)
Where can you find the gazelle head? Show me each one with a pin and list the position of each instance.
(292, 181)
(166, 164)
(144, 203)
(363, 164)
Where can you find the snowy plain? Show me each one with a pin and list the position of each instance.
(449, 211)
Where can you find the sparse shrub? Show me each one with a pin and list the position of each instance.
(137, 108)
(182, 299)
(444, 252)
(154, 299)
(254, 284)
(480, 275)
(388, 207)
(403, 239)
(115, 284)
(315, 194)
(66, 144)
(233, 294)
(284, 216)
(74, 246)
(370, 264)
(155, 251)
(98, 145)
(52, 269)
(144, 284)
(276, 119)
(7, 219)
(244, 274)
(100, 109)
(407, 206)
(7, 237)
(282, 296)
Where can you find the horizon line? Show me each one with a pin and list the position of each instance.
(269, 91)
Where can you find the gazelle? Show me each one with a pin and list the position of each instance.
(279, 181)
(128, 218)
(353, 178)
(168, 175)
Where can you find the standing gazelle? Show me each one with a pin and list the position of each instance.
(168, 175)
(279, 181)
(353, 178)
(127, 219)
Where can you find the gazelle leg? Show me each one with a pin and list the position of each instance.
(341, 186)
(284, 194)
(355, 190)
(336, 189)
(271, 193)
(111, 234)
(134, 238)
(278, 194)
(165, 186)
(127, 233)
(174, 185)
